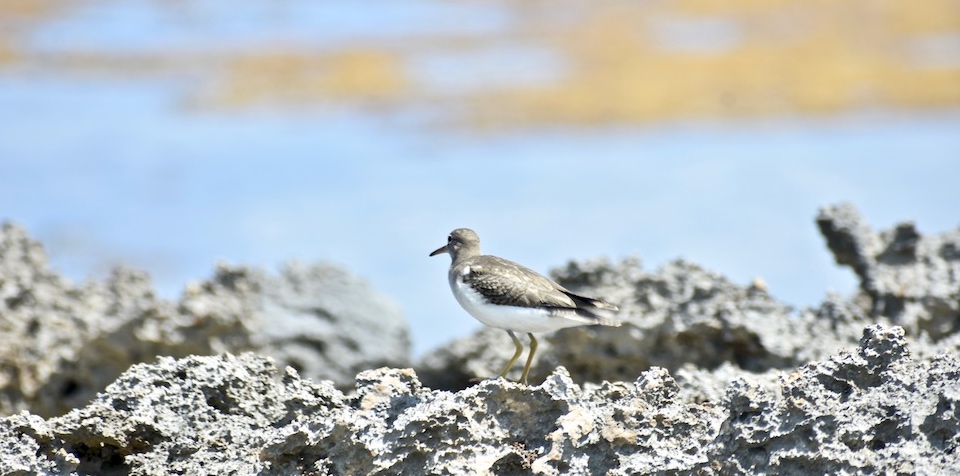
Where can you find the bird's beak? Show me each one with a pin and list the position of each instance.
(442, 249)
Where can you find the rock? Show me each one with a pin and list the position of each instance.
(704, 386)
(225, 414)
(870, 409)
(318, 319)
(23, 452)
(61, 344)
(204, 415)
(683, 314)
(913, 280)
(328, 323)
(459, 364)
(705, 377)
(865, 411)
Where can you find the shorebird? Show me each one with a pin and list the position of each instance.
(505, 295)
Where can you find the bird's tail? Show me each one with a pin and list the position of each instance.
(596, 308)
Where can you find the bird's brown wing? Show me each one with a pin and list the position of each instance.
(504, 282)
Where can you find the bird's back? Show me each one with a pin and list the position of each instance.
(504, 282)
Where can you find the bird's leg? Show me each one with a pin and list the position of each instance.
(516, 355)
(533, 350)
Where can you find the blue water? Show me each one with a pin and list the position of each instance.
(108, 171)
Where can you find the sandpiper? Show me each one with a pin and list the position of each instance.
(508, 296)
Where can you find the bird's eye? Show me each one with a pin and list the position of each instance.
(449, 238)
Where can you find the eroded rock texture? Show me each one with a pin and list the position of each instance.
(910, 278)
(705, 377)
(60, 344)
(870, 409)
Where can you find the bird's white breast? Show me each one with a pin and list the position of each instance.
(513, 318)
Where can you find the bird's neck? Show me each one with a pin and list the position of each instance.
(464, 255)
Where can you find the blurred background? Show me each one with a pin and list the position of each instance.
(168, 135)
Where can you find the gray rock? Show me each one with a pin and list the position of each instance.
(683, 314)
(462, 362)
(872, 409)
(218, 415)
(759, 389)
(23, 451)
(330, 324)
(703, 385)
(197, 415)
(318, 319)
(913, 280)
(61, 344)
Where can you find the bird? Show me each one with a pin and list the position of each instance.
(508, 296)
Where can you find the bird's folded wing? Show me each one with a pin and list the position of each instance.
(506, 283)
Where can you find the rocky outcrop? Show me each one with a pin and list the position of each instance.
(60, 344)
(871, 409)
(705, 376)
(910, 278)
